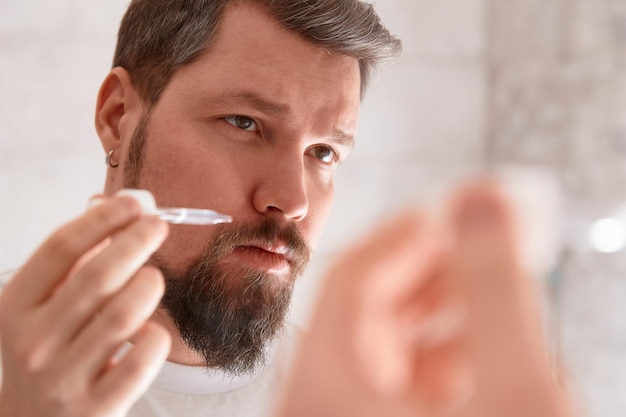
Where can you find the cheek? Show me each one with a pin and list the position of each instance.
(187, 175)
(183, 245)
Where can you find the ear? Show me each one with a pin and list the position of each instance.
(117, 106)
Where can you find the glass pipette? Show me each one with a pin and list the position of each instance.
(175, 215)
(182, 215)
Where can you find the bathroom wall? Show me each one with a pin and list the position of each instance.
(557, 98)
(53, 56)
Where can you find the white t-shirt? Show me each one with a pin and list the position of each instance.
(188, 391)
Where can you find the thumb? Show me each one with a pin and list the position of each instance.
(504, 332)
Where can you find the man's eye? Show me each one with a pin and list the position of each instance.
(325, 154)
(242, 122)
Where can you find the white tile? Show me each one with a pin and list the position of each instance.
(60, 17)
(40, 192)
(99, 17)
(48, 92)
(436, 29)
(368, 192)
(425, 111)
(33, 15)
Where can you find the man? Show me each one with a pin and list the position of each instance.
(245, 107)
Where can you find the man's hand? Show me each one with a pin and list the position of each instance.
(72, 306)
(425, 319)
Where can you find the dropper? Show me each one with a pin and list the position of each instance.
(175, 215)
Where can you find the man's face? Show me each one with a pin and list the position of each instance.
(254, 129)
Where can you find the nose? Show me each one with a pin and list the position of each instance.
(283, 189)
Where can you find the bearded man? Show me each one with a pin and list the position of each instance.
(241, 106)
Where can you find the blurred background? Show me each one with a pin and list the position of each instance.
(536, 83)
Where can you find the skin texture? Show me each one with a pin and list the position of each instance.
(276, 162)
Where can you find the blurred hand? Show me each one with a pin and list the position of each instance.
(429, 319)
(504, 336)
(72, 306)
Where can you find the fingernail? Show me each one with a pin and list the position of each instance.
(158, 224)
(95, 200)
(143, 197)
(478, 210)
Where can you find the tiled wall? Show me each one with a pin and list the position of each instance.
(480, 81)
(557, 98)
(53, 56)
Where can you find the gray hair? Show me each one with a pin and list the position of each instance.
(156, 37)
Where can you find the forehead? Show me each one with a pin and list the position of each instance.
(247, 30)
(253, 52)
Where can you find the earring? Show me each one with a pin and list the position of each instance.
(108, 159)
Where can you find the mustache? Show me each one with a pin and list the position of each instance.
(267, 232)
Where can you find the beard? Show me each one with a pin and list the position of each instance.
(227, 313)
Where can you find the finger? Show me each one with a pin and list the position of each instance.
(417, 353)
(122, 385)
(436, 312)
(50, 264)
(442, 381)
(500, 299)
(105, 274)
(383, 275)
(504, 341)
(119, 319)
(390, 263)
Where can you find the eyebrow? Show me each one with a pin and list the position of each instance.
(255, 101)
(342, 138)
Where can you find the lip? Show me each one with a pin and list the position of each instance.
(278, 249)
(271, 258)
